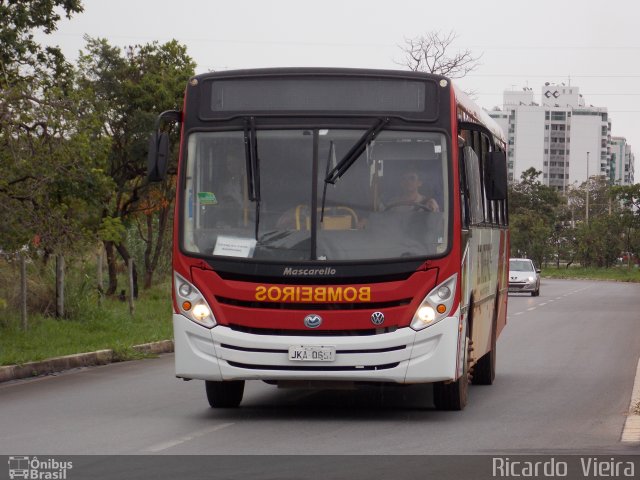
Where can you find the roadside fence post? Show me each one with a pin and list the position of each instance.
(131, 304)
(23, 292)
(59, 285)
(100, 276)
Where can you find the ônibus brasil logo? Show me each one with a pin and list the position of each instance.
(38, 469)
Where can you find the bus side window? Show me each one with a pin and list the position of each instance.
(490, 213)
(474, 185)
(464, 191)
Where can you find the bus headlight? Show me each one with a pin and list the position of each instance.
(201, 311)
(436, 305)
(426, 314)
(192, 303)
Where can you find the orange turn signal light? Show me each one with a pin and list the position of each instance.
(186, 306)
(441, 308)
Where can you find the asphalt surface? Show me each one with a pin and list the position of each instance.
(566, 368)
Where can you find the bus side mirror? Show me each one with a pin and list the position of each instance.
(158, 159)
(495, 180)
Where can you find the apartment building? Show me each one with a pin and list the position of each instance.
(558, 134)
(621, 168)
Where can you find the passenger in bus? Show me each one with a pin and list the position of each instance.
(225, 203)
(410, 196)
(232, 188)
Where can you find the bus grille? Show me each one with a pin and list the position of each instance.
(312, 333)
(342, 352)
(313, 306)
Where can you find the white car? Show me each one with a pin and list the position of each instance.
(524, 276)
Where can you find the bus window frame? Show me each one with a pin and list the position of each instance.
(310, 122)
(482, 142)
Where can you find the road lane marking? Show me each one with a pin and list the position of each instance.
(631, 430)
(186, 438)
(531, 308)
(543, 304)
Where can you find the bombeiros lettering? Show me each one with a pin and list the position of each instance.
(308, 294)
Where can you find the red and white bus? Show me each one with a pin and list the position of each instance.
(336, 225)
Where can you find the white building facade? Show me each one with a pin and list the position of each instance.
(558, 135)
(621, 169)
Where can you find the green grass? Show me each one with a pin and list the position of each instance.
(619, 274)
(91, 328)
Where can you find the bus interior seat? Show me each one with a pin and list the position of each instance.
(334, 218)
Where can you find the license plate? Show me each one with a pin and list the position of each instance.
(312, 353)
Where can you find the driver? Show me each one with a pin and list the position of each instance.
(411, 196)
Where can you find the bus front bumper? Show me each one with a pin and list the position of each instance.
(403, 356)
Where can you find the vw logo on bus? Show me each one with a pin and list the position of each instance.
(377, 318)
(312, 321)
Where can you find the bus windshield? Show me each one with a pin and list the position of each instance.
(392, 202)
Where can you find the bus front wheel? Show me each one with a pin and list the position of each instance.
(224, 394)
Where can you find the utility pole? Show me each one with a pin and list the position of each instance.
(586, 213)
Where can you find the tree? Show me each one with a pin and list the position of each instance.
(20, 56)
(628, 196)
(431, 53)
(533, 217)
(51, 163)
(53, 171)
(129, 89)
(600, 241)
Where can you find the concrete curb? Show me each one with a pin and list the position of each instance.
(631, 430)
(59, 364)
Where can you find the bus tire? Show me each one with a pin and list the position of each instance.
(224, 394)
(484, 371)
(453, 395)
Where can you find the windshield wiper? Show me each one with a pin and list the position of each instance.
(352, 155)
(253, 166)
(332, 155)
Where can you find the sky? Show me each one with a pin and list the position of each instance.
(590, 44)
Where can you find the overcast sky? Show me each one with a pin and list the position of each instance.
(594, 45)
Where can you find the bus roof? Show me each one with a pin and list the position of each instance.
(478, 113)
(318, 71)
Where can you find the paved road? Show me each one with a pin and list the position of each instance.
(566, 366)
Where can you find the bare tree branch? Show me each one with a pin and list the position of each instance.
(430, 53)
